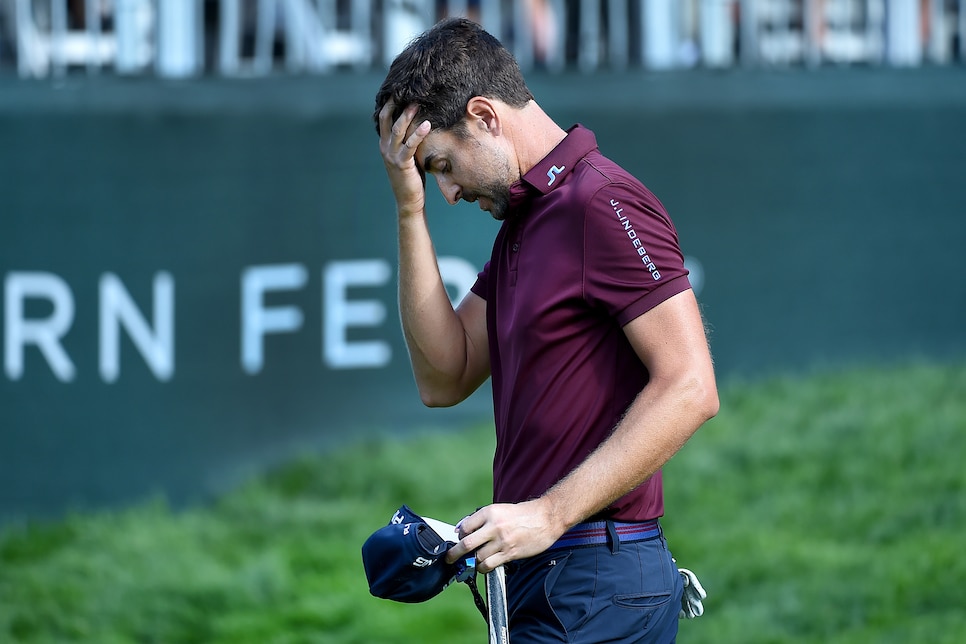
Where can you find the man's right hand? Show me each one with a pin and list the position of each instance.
(397, 144)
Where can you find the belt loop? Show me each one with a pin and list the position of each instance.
(612, 538)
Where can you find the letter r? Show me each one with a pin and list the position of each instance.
(44, 333)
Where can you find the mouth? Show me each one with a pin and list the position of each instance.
(483, 202)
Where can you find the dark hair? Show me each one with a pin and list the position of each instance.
(446, 66)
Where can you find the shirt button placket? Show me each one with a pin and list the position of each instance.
(514, 260)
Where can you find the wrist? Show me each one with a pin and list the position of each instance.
(410, 212)
(554, 517)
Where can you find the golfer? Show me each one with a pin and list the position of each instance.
(584, 320)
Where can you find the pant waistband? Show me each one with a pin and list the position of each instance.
(596, 533)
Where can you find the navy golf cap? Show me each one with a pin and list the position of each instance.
(404, 560)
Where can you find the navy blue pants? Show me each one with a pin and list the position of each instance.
(630, 592)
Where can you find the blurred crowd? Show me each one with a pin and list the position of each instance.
(239, 37)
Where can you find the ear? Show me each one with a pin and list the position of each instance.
(482, 113)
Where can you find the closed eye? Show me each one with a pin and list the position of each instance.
(435, 165)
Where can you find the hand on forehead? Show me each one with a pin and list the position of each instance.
(402, 116)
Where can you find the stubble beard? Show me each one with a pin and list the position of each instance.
(500, 200)
(497, 194)
(497, 190)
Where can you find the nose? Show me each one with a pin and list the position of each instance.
(451, 191)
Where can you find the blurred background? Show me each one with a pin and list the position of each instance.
(198, 265)
(197, 243)
(180, 38)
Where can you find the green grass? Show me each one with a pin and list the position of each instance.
(827, 508)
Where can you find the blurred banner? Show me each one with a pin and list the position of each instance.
(181, 38)
(199, 278)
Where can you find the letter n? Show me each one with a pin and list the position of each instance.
(117, 309)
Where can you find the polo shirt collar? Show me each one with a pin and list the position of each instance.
(553, 168)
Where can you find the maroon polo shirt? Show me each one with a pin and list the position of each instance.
(585, 249)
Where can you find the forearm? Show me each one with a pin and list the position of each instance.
(446, 367)
(656, 425)
(679, 397)
(434, 332)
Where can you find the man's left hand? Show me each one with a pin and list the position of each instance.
(504, 532)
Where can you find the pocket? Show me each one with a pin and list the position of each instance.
(569, 588)
(643, 609)
(642, 602)
(529, 588)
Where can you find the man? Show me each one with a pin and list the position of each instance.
(583, 318)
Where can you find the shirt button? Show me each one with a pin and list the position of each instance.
(516, 246)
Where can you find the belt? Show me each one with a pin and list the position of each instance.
(596, 533)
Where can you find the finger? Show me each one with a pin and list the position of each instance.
(491, 557)
(468, 544)
(385, 118)
(456, 553)
(401, 125)
(417, 136)
(484, 566)
(459, 525)
(472, 523)
(463, 547)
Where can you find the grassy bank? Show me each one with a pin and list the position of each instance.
(828, 508)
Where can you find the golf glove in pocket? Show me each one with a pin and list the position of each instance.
(694, 593)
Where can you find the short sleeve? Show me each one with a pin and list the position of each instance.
(632, 257)
(482, 280)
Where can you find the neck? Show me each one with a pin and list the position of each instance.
(534, 135)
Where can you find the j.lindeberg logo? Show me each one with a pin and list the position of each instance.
(553, 172)
(635, 240)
